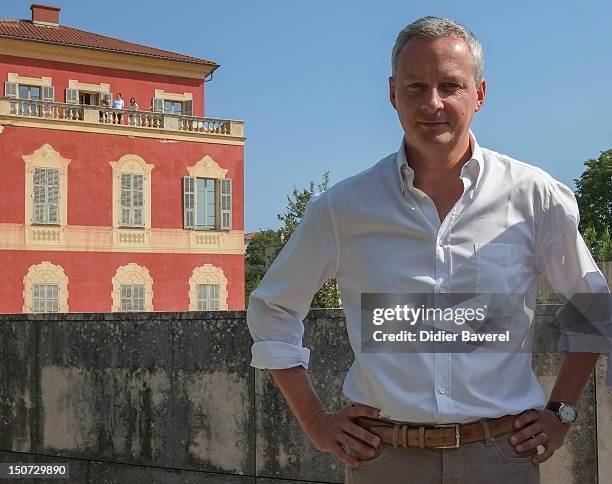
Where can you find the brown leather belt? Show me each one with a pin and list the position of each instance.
(448, 436)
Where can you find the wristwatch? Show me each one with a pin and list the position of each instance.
(565, 411)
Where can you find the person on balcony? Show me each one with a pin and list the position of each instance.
(118, 103)
(105, 104)
(132, 118)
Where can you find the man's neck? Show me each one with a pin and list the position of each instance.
(437, 165)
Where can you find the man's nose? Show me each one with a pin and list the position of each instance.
(433, 101)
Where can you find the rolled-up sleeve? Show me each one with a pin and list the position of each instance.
(586, 316)
(279, 304)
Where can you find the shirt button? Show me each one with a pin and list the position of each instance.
(442, 390)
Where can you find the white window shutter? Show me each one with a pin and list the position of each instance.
(10, 89)
(72, 96)
(226, 204)
(48, 94)
(157, 104)
(188, 108)
(189, 208)
(53, 195)
(137, 199)
(126, 199)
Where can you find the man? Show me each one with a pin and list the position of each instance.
(118, 101)
(117, 104)
(442, 215)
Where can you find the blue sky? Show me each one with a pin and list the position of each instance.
(310, 79)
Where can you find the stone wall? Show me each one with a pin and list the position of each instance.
(170, 397)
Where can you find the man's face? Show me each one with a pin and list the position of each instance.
(434, 92)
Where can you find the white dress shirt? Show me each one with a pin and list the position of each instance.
(376, 233)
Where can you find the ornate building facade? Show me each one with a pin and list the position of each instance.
(106, 206)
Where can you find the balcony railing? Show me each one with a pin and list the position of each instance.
(124, 117)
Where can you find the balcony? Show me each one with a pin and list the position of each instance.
(96, 118)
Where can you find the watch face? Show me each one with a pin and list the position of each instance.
(567, 413)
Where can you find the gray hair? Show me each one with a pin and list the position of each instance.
(434, 28)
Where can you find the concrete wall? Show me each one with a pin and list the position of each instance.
(170, 397)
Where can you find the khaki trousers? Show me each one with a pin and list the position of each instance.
(492, 461)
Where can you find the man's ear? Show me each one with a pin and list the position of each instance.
(481, 92)
(392, 93)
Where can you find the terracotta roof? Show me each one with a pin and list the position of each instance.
(62, 35)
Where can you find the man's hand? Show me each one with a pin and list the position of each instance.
(334, 431)
(545, 427)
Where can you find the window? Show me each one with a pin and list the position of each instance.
(45, 298)
(132, 201)
(208, 289)
(29, 92)
(132, 297)
(89, 98)
(172, 103)
(131, 196)
(46, 196)
(173, 107)
(207, 203)
(132, 289)
(45, 289)
(208, 297)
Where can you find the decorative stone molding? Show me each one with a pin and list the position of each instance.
(29, 81)
(83, 86)
(169, 96)
(132, 274)
(207, 168)
(46, 157)
(45, 273)
(106, 239)
(126, 236)
(207, 274)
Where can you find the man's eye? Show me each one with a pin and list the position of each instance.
(450, 86)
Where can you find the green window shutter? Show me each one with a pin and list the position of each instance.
(189, 208)
(188, 108)
(48, 94)
(10, 89)
(158, 105)
(226, 204)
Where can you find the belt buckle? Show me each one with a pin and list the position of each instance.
(457, 435)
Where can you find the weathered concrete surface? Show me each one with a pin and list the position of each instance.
(170, 397)
(17, 385)
(604, 421)
(159, 389)
(283, 450)
(576, 461)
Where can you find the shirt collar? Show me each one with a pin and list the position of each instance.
(472, 169)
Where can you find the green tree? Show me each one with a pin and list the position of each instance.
(594, 197)
(260, 253)
(329, 295)
(265, 246)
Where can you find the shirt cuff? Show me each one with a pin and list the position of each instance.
(278, 355)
